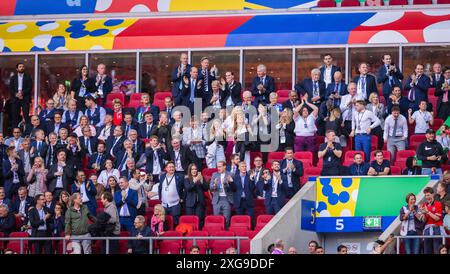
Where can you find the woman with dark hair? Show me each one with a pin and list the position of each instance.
(411, 167)
(82, 86)
(412, 224)
(64, 197)
(305, 126)
(61, 97)
(195, 187)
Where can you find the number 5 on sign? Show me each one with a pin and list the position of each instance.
(339, 224)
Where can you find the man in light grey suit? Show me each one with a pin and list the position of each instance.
(222, 187)
(15, 140)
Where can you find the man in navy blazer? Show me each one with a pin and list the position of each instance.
(293, 100)
(56, 124)
(365, 83)
(275, 187)
(245, 194)
(98, 159)
(126, 201)
(47, 114)
(313, 87)
(389, 75)
(437, 75)
(417, 86)
(171, 192)
(155, 156)
(336, 89)
(114, 143)
(231, 89)
(38, 146)
(293, 170)
(87, 142)
(20, 87)
(178, 73)
(327, 70)
(192, 89)
(23, 199)
(145, 129)
(13, 173)
(262, 85)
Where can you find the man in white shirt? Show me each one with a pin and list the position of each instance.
(395, 131)
(422, 117)
(362, 124)
(170, 190)
(347, 108)
(126, 201)
(222, 188)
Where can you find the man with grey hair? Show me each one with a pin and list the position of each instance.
(347, 107)
(262, 85)
(314, 87)
(136, 143)
(7, 220)
(124, 154)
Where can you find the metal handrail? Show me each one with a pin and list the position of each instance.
(107, 239)
(398, 238)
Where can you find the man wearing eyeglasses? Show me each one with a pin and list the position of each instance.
(16, 140)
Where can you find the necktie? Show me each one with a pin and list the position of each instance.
(128, 129)
(445, 96)
(336, 87)
(394, 132)
(124, 160)
(192, 90)
(148, 131)
(99, 157)
(412, 94)
(39, 147)
(262, 81)
(363, 83)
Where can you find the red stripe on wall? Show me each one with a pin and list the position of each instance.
(7, 7)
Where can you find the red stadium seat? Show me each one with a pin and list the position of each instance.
(398, 2)
(159, 103)
(134, 104)
(415, 140)
(395, 170)
(135, 97)
(437, 123)
(306, 157)
(276, 155)
(422, 2)
(111, 96)
(170, 246)
(404, 154)
(386, 155)
(202, 244)
(123, 244)
(89, 172)
(374, 143)
(245, 244)
(214, 223)
(220, 246)
(237, 229)
(310, 172)
(193, 220)
(14, 245)
(433, 101)
(326, 4)
(241, 221)
(208, 172)
(282, 99)
(2, 243)
(161, 95)
(261, 221)
(283, 92)
(443, 2)
(350, 3)
(431, 91)
(351, 153)
(19, 223)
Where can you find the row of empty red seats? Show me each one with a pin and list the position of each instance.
(357, 3)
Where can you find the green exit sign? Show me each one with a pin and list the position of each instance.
(372, 222)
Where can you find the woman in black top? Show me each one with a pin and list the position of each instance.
(334, 121)
(411, 167)
(195, 187)
(81, 87)
(286, 128)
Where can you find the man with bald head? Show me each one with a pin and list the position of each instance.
(336, 89)
(262, 85)
(314, 87)
(103, 82)
(178, 73)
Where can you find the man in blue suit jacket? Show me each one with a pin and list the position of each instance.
(126, 201)
(417, 86)
(244, 197)
(389, 75)
(328, 70)
(336, 89)
(313, 87)
(86, 187)
(171, 192)
(365, 83)
(275, 186)
(47, 114)
(262, 85)
(145, 129)
(178, 73)
(13, 173)
(114, 143)
(192, 89)
(23, 199)
(293, 170)
(154, 152)
(98, 159)
(38, 146)
(437, 76)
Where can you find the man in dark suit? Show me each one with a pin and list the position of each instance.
(114, 143)
(293, 170)
(437, 75)
(293, 101)
(275, 187)
(244, 197)
(123, 154)
(207, 76)
(365, 83)
(30, 129)
(21, 204)
(396, 99)
(50, 202)
(52, 147)
(389, 75)
(262, 85)
(126, 201)
(442, 92)
(146, 106)
(192, 89)
(171, 192)
(313, 87)
(168, 102)
(20, 87)
(40, 221)
(98, 159)
(60, 175)
(417, 86)
(181, 156)
(103, 82)
(13, 173)
(327, 70)
(145, 129)
(155, 155)
(38, 146)
(231, 90)
(258, 170)
(88, 143)
(178, 73)
(137, 145)
(128, 124)
(55, 124)
(336, 89)
(47, 114)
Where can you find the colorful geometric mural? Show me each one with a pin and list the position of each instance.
(349, 199)
(227, 31)
(39, 7)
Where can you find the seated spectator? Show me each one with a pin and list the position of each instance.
(379, 166)
(411, 167)
(98, 159)
(7, 220)
(342, 249)
(396, 99)
(331, 153)
(107, 129)
(292, 102)
(158, 222)
(30, 129)
(412, 224)
(395, 132)
(126, 201)
(47, 114)
(336, 89)
(71, 117)
(273, 102)
(84, 122)
(139, 231)
(128, 124)
(423, 119)
(431, 154)
(305, 126)
(444, 138)
(109, 171)
(432, 211)
(359, 167)
(96, 114)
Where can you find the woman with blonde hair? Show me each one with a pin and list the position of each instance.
(241, 135)
(334, 122)
(215, 151)
(62, 97)
(381, 112)
(36, 178)
(117, 112)
(84, 122)
(286, 128)
(158, 223)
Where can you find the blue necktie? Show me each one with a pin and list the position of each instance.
(192, 90)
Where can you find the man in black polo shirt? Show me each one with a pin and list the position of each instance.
(431, 154)
(331, 152)
(379, 166)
